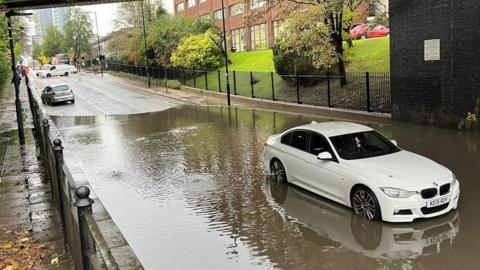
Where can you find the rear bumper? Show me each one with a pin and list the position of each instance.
(63, 98)
(417, 206)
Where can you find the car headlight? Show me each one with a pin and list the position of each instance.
(397, 192)
(454, 181)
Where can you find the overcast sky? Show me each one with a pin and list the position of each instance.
(106, 15)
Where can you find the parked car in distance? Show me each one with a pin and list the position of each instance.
(72, 69)
(356, 166)
(369, 31)
(61, 93)
(53, 70)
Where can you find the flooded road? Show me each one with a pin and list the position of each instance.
(187, 189)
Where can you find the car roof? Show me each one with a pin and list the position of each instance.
(334, 128)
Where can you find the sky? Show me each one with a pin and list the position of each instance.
(106, 14)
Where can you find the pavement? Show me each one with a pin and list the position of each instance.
(30, 234)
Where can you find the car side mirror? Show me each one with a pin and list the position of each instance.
(325, 156)
(394, 142)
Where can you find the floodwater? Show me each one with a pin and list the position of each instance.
(187, 189)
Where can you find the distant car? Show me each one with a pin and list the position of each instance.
(356, 166)
(369, 31)
(61, 93)
(53, 70)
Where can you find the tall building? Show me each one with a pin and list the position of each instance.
(258, 32)
(44, 18)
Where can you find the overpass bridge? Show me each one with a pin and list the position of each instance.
(18, 5)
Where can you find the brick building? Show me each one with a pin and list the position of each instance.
(434, 56)
(255, 33)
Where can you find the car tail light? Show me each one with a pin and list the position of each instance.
(53, 93)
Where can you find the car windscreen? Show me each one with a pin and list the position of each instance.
(362, 145)
(61, 88)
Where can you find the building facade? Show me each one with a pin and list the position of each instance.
(44, 18)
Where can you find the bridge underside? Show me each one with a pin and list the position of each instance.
(39, 4)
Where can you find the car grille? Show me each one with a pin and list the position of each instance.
(445, 189)
(429, 193)
(435, 209)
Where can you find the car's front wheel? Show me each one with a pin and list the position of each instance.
(365, 203)
(278, 171)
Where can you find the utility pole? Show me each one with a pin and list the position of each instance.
(226, 54)
(98, 44)
(16, 77)
(145, 42)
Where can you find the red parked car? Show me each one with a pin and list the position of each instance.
(369, 31)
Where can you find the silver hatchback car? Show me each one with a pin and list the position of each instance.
(57, 93)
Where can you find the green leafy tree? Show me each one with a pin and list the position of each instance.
(78, 33)
(53, 42)
(129, 14)
(198, 52)
(332, 15)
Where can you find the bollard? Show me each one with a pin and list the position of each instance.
(84, 207)
(58, 151)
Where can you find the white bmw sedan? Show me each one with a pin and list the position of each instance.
(356, 166)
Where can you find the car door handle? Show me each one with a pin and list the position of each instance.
(310, 160)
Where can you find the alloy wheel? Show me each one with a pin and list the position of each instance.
(278, 171)
(364, 204)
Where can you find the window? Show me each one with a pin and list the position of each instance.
(179, 7)
(203, 1)
(206, 16)
(277, 30)
(299, 140)
(362, 145)
(257, 4)
(258, 36)
(319, 144)
(191, 3)
(286, 138)
(238, 40)
(236, 9)
(218, 14)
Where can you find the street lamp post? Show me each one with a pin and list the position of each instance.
(225, 55)
(16, 76)
(98, 44)
(145, 42)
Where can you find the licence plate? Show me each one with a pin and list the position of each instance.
(437, 202)
(437, 239)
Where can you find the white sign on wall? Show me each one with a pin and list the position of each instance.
(432, 49)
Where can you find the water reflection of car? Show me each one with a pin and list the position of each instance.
(369, 31)
(390, 241)
(54, 94)
(356, 166)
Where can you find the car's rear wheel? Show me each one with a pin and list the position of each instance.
(365, 203)
(48, 75)
(278, 171)
(50, 102)
(66, 74)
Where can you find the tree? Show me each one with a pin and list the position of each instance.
(198, 52)
(332, 16)
(129, 14)
(78, 33)
(52, 43)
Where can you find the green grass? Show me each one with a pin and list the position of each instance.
(369, 55)
(261, 61)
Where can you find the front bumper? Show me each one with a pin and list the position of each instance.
(415, 204)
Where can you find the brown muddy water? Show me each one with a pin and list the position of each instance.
(187, 189)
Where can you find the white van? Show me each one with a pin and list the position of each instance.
(54, 70)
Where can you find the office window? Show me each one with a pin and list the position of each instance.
(258, 36)
(257, 4)
(236, 9)
(179, 7)
(191, 3)
(218, 14)
(277, 29)
(238, 40)
(203, 1)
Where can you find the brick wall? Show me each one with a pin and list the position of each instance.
(435, 92)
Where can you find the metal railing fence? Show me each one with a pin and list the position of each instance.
(367, 91)
(82, 237)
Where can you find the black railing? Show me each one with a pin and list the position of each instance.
(369, 91)
(82, 236)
